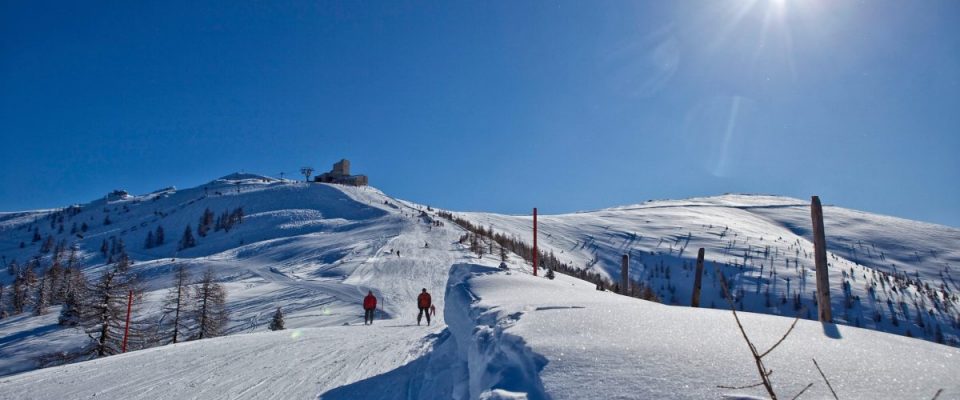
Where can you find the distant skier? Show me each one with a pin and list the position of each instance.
(369, 305)
(503, 265)
(423, 303)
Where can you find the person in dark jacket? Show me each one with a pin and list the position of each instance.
(423, 303)
(369, 305)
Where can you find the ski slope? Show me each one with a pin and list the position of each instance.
(289, 364)
(509, 335)
(316, 249)
(313, 249)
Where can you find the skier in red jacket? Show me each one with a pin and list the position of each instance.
(369, 304)
(423, 303)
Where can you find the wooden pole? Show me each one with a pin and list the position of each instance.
(820, 257)
(535, 241)
(695, 302)
(126, 329)
(624, 273)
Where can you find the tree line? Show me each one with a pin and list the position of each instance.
(548, 261)
(192, 309)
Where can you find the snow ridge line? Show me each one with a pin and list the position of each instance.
(498, 365)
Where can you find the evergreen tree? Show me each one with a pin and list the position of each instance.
(210, 312)
(13, 268)
(72, 309)
(175, 307)
(40, 301)
(19, 299)
(205, 222)
(84, 227)
(3, 306)
(159, 236)
(149, 242)
(277, 323)
(104, 248)
(187, 241)
(73, 286)
(54, 278)
(47, 245)
(103, 312)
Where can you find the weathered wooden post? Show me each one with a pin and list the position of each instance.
(695, 302)
(535, 241)
(624, 274)
(820, 257)
(126, 328)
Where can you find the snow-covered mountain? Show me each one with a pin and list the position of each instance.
(316, 249)
(886, 273)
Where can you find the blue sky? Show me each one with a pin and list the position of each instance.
(497, 106)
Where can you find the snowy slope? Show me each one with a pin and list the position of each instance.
(315, 249)
(562, 339)
(296, 363)
(509, 335)
(886, 273)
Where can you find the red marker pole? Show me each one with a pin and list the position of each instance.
(534, 241)
(126, 330)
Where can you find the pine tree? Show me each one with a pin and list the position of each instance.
(19, 299)
(175, 306)
(13, 268)
(103, 312)
(74, 288)
(205, 221)
(3, 306)
(159, 236)
(106, 220)
(149, 242)
(187, 241)
(47, 245)
(41, 301)
(72, 309)
(54, 278)
(277, 323)
(84, 227)
(210, 312)
(104, 248)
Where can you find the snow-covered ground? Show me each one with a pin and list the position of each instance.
(562, 339)
(886, 273)
(315, 249)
